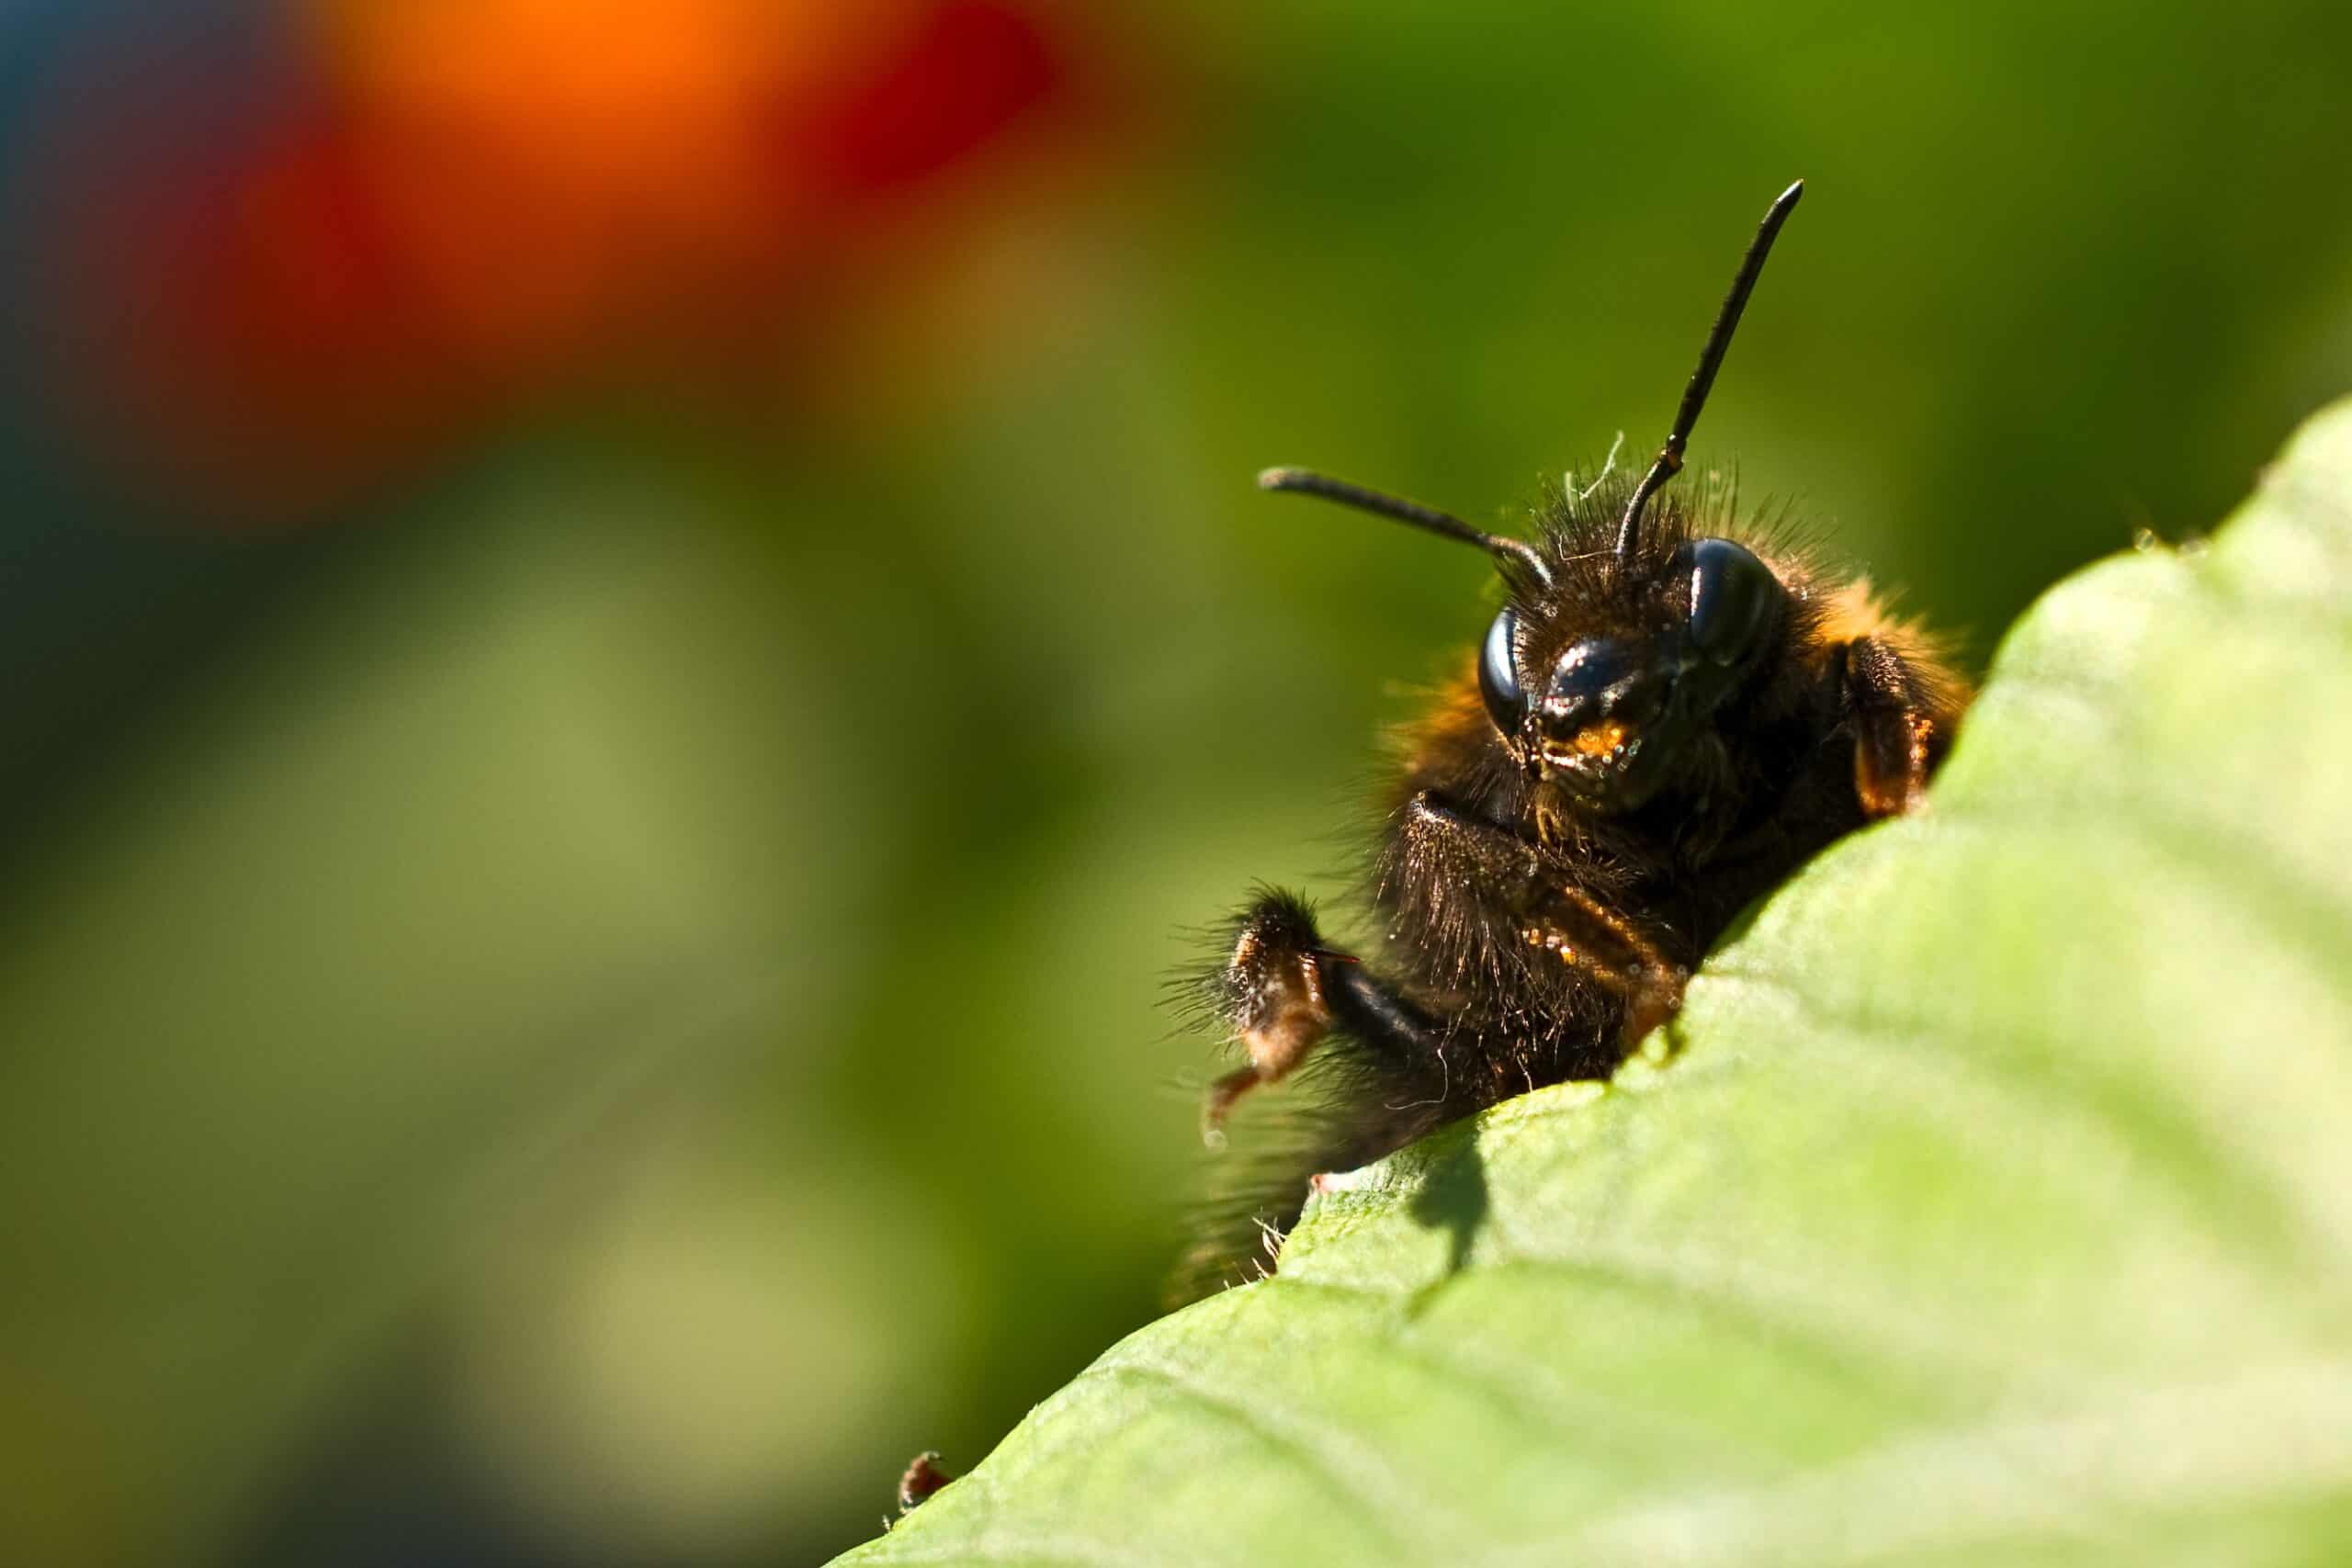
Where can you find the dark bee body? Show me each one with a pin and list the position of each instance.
(1670, 714)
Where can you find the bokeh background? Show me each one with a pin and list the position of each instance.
(631, 629)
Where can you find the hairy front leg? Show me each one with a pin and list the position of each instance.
(1280, 991)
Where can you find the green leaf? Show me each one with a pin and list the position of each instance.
(1997, 1204)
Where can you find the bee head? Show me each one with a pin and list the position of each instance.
(1605, 690)
(1607, 707)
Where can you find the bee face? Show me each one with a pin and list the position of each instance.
(1607, 712)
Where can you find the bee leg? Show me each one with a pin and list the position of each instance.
(1893, 737)
(1655, 997)
(1280, 991)
(1567, 922)
(923, 1476)
(1650, 983)
(1222, 1097)
(1270, 993)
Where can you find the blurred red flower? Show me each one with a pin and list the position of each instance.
(442, 209)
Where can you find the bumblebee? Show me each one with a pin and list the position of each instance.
(1674, 708)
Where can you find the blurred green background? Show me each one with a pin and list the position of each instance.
(633, 629)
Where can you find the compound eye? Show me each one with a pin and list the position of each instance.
(1732, 597)
(1498, 673)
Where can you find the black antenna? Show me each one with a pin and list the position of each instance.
(1305, 483)
(1702, 380)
